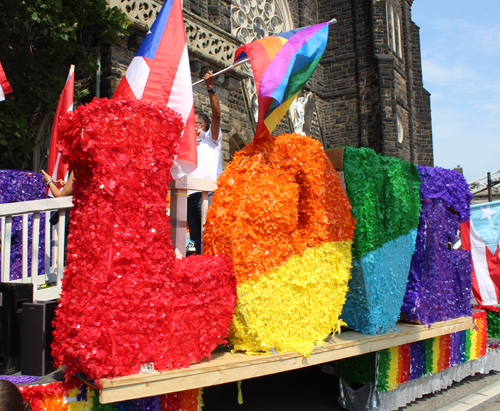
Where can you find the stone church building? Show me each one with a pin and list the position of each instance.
(367, 90)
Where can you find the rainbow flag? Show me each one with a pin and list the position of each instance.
(282, 64)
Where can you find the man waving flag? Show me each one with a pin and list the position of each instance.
(4, 84)
(160, 74)
(56, 169)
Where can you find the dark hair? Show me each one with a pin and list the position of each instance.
(11, 398)
(205, 119)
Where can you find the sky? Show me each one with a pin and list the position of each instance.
(460, 48)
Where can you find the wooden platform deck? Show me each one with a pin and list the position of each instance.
(226, 367)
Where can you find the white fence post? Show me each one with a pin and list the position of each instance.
(24, 209)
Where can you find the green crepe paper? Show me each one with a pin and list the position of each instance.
(493, 321)
(429, 355)
(97, 406)
(467, 344)
(384, 362)
(384, 193)
(359, 369)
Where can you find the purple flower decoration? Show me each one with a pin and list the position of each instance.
(17, 186)
(439, 284)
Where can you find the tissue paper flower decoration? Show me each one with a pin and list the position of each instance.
(384, 193)
(282, 216)
(408, 362)
(440, 280)
(76, 396)
(126, 300)
(492, 319)
(296, 306)
(274, 200)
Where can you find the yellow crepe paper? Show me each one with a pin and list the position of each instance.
(83, 405)
(296, 306)
(392, 381)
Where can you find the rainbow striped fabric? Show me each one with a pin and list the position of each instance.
(282, 64)
(411, 361)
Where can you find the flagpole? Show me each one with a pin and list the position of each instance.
(238, 63)
(332, 21)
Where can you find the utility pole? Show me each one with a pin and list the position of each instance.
(490, 187)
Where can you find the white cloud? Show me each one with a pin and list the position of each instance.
(436, 72)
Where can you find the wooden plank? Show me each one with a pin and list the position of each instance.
(336, 157)
(24, 255)
(23, 207)
(226, 367)
(35, 245)
(178, 219)
(195, 184)
(48, 246)
(6, 249)
(61, 238)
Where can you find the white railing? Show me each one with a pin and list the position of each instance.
(481, 184)
(46, 287)
(178, 207)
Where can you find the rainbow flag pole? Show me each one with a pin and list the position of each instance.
(239, 62)
(232, 66)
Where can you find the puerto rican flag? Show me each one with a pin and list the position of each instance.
(160, 74)
(56, 169)
(481, 235)
(4, 84)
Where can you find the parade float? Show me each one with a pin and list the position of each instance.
(285, 232)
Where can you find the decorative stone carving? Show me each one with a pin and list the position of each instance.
(209, 43)
(141, 12)
(255, 19)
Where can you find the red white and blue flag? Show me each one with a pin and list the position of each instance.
(481, 235)
(56, 169)
(4, 84)
(160, 74)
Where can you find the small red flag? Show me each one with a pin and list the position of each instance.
(56, 169)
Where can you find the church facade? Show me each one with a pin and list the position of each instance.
(367, 90)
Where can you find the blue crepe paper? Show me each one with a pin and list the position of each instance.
(17, 186)
(439, 284)
(377, 286)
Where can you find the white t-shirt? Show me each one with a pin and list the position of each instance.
(209, 156)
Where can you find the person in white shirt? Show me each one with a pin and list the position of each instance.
(209, 150)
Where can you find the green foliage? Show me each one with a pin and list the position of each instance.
(39, 40)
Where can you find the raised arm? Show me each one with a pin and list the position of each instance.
(214, 105)
(66, 191)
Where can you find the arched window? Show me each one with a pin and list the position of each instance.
(401, 131)
(400, 44)
(392, 37)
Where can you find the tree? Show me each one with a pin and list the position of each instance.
(39, 40)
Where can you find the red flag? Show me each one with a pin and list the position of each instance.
(4, 84)
(56, 169)
(160, 74)
(481, 235)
